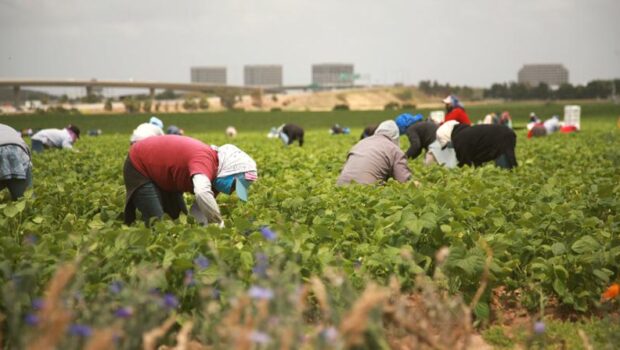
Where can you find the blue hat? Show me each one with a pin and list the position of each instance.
(405, 120)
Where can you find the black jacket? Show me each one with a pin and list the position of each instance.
(475, 145)
(294, 132)
(421, 135)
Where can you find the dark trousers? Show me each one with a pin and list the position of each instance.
(37, 146)
(506, 160)
(17, 187)
(153, 202)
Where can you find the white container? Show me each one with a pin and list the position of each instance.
(438, 116)
(572, 116)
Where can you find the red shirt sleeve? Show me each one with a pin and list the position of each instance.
(459, 115)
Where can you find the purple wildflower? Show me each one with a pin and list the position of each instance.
(188, 280)
(170, 301)
(330, 334)
(80, 330)
(124, 312)
(31, 319)
(539, 327)
(202, 262)
(115, 287)
(267, 233)
(262, 263)
(30, 239)
(260, 337)
(257, 292)
(37, 304)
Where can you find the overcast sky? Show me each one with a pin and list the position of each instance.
(474, 42)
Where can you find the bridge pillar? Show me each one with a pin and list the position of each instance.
(16, 96)
(89, 90)
(152, 94)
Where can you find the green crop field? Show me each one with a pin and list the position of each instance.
(551, 228)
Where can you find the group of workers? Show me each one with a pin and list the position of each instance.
(161, 167)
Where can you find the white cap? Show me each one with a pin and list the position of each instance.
(447, 100)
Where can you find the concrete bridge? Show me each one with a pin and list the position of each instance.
(151, 86)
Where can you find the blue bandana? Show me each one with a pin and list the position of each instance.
(224, 184)
(405, 120)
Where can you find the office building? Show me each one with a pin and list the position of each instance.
(550, 74)
(208, 75)
(262, 75)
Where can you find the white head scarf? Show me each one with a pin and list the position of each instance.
(389, 129)
(444, 132)
(232, 161)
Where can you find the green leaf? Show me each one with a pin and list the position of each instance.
(585, 244)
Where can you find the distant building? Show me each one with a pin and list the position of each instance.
(262, 75)
(209, 75)
(550, 74)
(332, 74)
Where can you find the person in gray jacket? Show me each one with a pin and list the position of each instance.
(55, 138)
(377, 158)
(15, 164)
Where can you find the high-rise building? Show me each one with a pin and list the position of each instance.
(262, 75)
(332, 74)
(550, 74)
(209, 75)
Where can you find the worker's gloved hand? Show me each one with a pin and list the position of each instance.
(221, 224)
(198, 215)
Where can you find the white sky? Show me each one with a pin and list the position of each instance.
(474, 42)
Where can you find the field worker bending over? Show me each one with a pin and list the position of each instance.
(476, 145)
(155, 127)
(455, 110)
(15, 164)
(376, 158)
(158, 170)
(55, 138)
(422, 135)
(288, 133)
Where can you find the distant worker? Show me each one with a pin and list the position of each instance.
(55, 138)
(289, 133)
(174, 130)
(368, 131)
(231, 132)
(476, 145)
(158, 170)
(15, 162)
(548, 127)
(506, 119)
(377, 158)
(337, 130)
(155, 127)
(455, 110)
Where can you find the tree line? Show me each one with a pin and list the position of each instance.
(596, 89)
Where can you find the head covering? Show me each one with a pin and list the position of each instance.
(173, 130)
(453, 101)
(157, 122)
(75, 130)
(444, 132)
(405, 120)
(390, 129)
(234, 162)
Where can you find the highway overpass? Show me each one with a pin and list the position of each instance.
(150, 86)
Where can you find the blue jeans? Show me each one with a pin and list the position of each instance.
(37, 146)
(153, 203)
(17, 187)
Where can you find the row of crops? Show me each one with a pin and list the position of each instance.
(552, 226)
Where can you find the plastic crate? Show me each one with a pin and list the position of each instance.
(572, 116)
(438, 116)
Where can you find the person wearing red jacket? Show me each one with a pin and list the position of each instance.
(455, 110)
